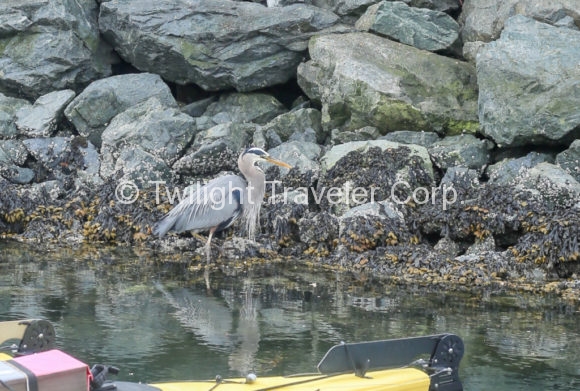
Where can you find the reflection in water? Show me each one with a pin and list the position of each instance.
(159, 321)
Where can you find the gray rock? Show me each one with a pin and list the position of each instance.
(163, 132)
(419, 27)
(12, 155)
(365, 80)
(362, 134)
(216, 44)
(299, 121)
(197, 108)
(481, 246)
(50, 45)
(464, 150)
(345, 7)
(537, 105)
(90, 175)
(255, 107)
(422, 138)
(8, 108)
(460, 177)
(93, 109)
(215, 150)
(332, 156)
(49, 151)
(554, 185)
(509, 170)
(569, 160)
(470, 50)
(447, 247)
(141, 167)
(42, 118)
(447, 6)
(302, 156)
(484, 20)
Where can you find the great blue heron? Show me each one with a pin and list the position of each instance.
(215, 206)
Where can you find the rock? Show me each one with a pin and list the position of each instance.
(13, 154)
(463, 150)
(447, 248)
(365, 80)
(142, 168)
(536, 105)
(90, 175)
(556, 186)
(93, 109)
(50, 152)
(362, 134)
(419, 27)
(302, 156)
(509, 170)
(50, 45)
(484, 20)
(42, 118)
(569, 160)
(157, 130)
(216, 44)
(197, 108)
(294, 122)
(481, 246)
(255, 107)
(447, 6)
(345, 7)
(215, 149)
(425, 139)
(470, 50)
(371, 171)
(460, 177)
(8, 109)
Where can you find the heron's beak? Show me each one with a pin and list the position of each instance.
(277, 162)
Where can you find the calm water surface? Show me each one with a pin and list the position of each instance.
(159, 321)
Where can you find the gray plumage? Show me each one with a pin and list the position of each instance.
(217, 205)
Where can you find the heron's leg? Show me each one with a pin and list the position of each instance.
(208, 244)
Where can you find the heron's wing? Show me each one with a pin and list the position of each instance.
(217, 204)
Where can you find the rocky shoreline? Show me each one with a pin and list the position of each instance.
(432, 141)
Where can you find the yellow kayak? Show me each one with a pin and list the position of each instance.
(426, 363)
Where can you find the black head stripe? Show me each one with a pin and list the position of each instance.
(256, 151)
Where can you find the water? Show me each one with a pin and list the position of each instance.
(160, 321)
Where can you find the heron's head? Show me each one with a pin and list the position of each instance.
(253, 155)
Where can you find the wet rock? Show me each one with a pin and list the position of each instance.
(215, 149)
(460, 177)
(481, 246)
(508, 170)
(302, 156)
(362, 134)
(318, 230)
(42, 118)
(142, 167)
(447, 248)
(161, 134)
(419, 27)
(536, 106)
(365, 80)
(218, 44)
(463, 150)
(484, 20)
(424, 139)
(50, 152)
(293, 123)
(569, 160)
(48, 46)
(93, 109)
(13, 154)
(8, 109)
(258, 108)
(554, 184)
(91, 163)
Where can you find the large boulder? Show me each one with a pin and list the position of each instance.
(50, 45)
(95, 107)
(365, 80)
(160, 133)
(419, 27)
(255, 107)
(552, 183)
(288, 124)
(525, 96)
(483, 20)
(8, 108)
(42, 118)
(509, 170)
(216, 44)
